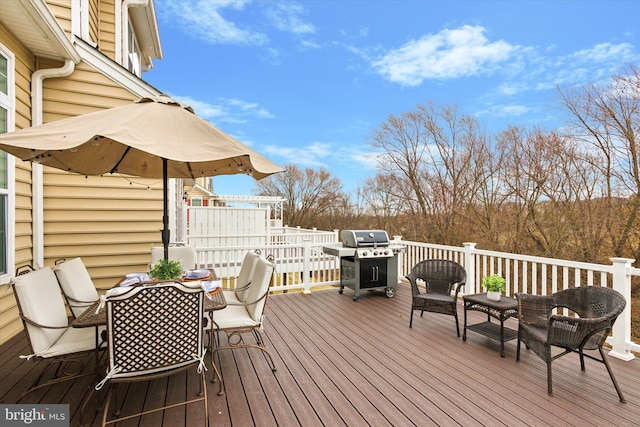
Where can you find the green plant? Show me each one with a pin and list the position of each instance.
(494, 283)
(166, 269)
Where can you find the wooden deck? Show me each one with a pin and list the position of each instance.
(358, 364)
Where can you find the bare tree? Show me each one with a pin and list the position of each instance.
(310, 194)
(431, 152)
(607, 118)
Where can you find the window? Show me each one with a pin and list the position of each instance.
(133, 50)
(196, 201)
(6, 184)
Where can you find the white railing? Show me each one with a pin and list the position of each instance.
(303, 266)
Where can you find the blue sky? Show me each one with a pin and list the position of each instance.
(307, 82)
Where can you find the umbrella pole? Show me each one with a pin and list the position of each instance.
(165, 209)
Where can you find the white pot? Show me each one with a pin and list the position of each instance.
(493, 295)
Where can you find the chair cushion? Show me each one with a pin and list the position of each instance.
(231, 297)
(436, 297)
(76, 284)
(71, 341)
(185, 254)
(537, 333)
(38, 294)
(259, 287)
(232, 317)
(246, 273)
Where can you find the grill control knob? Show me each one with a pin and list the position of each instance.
(375, 253)
(364, 253)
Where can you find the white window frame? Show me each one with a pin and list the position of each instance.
(7, 101)
(132, 51)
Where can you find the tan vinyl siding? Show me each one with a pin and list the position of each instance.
(107, 28)
(10, 322)
(111, 222)
(61, 9)
(94, 18)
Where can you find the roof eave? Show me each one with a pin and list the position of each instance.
(36, 27)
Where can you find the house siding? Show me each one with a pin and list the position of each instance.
(61, 9)
(10, 322)
(94, 20)
(107, 28)
(110, 221)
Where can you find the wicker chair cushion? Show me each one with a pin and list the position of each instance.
(244, 277)
(185, 254)
(77, 285)
(40, 300)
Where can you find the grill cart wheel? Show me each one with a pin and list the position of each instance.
(390, 292)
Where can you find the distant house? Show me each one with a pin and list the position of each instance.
(60, 59)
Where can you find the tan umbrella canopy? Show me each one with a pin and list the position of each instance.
(151, 137)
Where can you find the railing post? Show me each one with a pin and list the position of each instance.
(622, 328)
(470, 266)
(306, 266)
(397, 240)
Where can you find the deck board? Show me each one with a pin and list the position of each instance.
(341, 362)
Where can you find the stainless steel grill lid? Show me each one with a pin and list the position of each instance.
(364, 238)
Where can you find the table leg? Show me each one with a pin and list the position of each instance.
(464, 330)
(501, 335)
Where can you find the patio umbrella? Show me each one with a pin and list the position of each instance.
(151, 137)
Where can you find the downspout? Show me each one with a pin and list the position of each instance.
(37, 180)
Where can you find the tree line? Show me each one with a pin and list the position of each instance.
(571, 192)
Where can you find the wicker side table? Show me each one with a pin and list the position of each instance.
(501, 310)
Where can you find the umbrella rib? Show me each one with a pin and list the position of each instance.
(115, 167)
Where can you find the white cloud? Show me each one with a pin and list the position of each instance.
(449, 54)
(203, 18)
(286, 17)
(312, 155)
(219, 22)
(226, 110)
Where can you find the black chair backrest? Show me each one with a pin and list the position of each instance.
(439, 275)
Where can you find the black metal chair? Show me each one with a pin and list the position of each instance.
(442, 280)
(592, 313)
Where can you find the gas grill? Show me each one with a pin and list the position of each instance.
(367, 261)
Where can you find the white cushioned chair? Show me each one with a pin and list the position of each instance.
(51, 339)
(239, 293)
(240, 318)
(76, 284)
(185, 254)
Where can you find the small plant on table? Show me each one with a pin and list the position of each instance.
(166, 269)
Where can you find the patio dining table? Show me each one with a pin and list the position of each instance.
(95, 316)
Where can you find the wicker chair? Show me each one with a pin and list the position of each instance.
(240, 318)
(52, 340)
(76, 284)
(154, 332)
(440, 277)
(592, 313)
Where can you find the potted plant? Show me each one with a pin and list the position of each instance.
(166, 269)
(494, 284)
